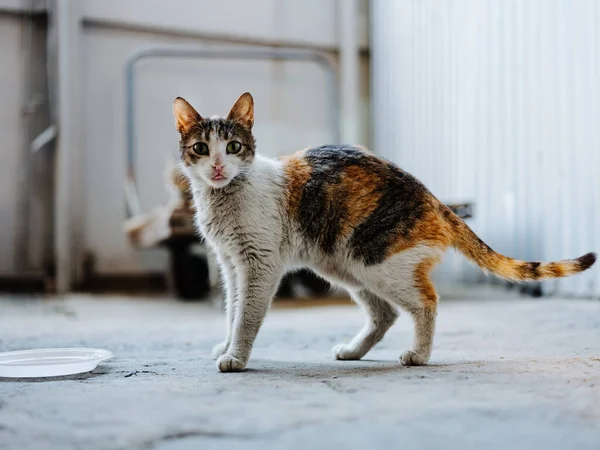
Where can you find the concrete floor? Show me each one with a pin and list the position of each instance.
(506, 373)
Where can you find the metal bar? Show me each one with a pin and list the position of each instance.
(67, 202)
(349, 69)
(208, 36)
(278, 54)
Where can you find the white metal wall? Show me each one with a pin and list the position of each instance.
(498, 102)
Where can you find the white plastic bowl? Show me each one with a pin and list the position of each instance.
(51, 362)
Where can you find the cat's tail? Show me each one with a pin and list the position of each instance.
(469, 244)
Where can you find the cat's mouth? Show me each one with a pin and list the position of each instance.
(218, 180)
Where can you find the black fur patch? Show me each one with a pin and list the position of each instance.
(586, 261)
(401, 203)
(319, 214)
(401, 206)
(530, 270)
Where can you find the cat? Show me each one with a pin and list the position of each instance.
(357, 220)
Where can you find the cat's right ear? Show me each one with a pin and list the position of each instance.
(185, 115)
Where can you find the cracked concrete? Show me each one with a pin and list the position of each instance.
(506, 372)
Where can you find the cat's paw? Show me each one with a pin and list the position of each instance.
(410, 358)
(345, 352)
(229, 363)
(219, 349)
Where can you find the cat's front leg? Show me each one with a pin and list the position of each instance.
(230, 283)
(257, 284)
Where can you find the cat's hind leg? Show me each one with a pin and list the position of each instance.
(423, 316)
(404, 280)
(380, 317)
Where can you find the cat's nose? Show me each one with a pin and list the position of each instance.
(218, 167)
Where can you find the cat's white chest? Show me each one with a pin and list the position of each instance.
(219, 225)
(208, 221)
(202, 215)
(244, 218)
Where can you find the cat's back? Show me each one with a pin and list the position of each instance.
(345, 195)
(348, 179)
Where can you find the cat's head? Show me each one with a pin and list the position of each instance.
(216, 150)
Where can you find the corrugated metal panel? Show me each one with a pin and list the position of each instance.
(497, 102)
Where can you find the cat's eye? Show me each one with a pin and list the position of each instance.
(234, 147)
(200, 148)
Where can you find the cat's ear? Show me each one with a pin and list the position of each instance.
(185, 115)
(243, 111)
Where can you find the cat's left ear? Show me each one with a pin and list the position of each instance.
(185, 115)
(243, 111)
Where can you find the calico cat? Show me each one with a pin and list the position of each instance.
(357, 220)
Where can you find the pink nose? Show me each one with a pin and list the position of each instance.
(218, 167)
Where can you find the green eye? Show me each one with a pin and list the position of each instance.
(234, 147)
(200, 148)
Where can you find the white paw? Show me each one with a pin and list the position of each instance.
(345, 352)
(410, 358)
(219, 349)
(229, 363)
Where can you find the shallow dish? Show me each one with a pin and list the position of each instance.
(51, 362)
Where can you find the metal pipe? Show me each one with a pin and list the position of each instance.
(67, 201)
(278, 54)
(222, 38)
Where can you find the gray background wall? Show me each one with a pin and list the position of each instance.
(11, 132)
(111, 31)
(24, 113)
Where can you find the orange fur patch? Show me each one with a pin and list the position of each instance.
(358, 188)
(297, 171)
(475, 249)
(423, 282)
(431, 230)
(556, 269)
